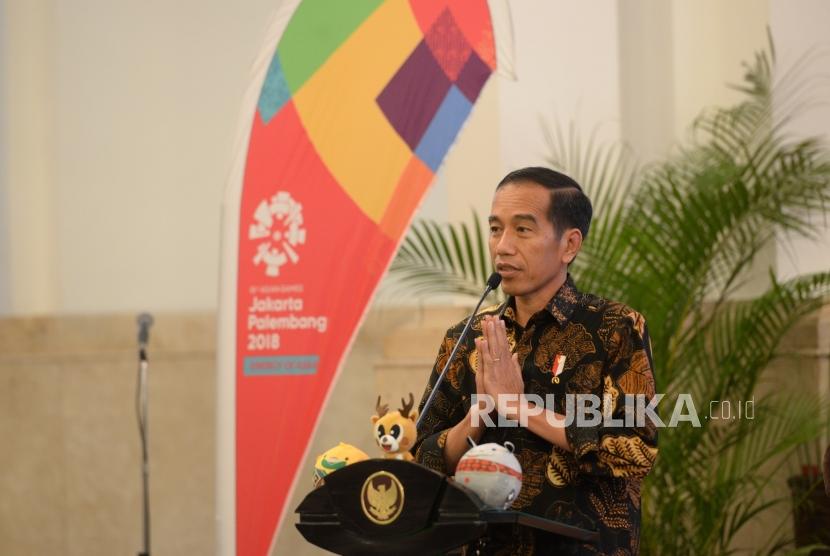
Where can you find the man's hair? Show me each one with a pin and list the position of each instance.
(569, 206)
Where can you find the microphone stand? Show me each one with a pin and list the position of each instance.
(141, 413)
(492, 283)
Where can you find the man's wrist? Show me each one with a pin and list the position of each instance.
(476, 421)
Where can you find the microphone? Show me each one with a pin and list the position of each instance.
(144, 321)
(492, 283)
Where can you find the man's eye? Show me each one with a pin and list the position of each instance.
(494, 229)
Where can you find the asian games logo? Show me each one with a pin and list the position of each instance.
(279, 227)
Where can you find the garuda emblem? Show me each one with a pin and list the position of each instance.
(382, 498)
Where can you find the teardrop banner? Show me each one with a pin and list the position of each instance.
(358, 105)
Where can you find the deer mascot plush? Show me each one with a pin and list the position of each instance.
(395, 432)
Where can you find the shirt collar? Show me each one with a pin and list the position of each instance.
(561, 305)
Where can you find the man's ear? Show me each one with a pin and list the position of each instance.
(572, 243)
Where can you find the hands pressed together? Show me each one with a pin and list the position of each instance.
(498, 372)
(498, 375)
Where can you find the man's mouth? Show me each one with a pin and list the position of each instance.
(506, 270)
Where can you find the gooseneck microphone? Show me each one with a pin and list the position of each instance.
(144, 321)
(492, 283)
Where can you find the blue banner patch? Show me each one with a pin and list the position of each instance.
(282, 365)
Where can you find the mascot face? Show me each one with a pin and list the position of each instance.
(391, 436)
(395, 432)
(336, 458)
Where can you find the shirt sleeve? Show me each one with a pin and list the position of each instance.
(446, 411)
(626, 444)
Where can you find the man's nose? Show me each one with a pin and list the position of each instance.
(505, 245)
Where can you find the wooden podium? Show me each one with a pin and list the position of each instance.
(382, 506)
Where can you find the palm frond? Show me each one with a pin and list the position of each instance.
(450, 259)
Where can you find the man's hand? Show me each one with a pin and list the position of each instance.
(499, 372)
(481, 407)
(471, 426)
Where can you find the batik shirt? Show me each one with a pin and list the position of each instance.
(596, 485)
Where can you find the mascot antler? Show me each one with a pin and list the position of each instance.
(407, 407)
(381, 409)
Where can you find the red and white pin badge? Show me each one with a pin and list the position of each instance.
(557, 368)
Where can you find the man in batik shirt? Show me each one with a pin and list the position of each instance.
(549, 338)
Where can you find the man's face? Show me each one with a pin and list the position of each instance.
(524, 246)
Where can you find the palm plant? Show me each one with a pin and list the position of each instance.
(676, 240)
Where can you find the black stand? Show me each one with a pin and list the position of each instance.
(384, 506)
(141, 413)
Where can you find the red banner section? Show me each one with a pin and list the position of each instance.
(358, 109)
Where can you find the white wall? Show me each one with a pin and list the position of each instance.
(122, 120)
(5, 301)
(153, 90)
(119, 121)
(646, 64)
(799, 28)
(28, 97)
(566, 72)
(115, 189)
(711, 39)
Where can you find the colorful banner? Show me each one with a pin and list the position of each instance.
(360, 103)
